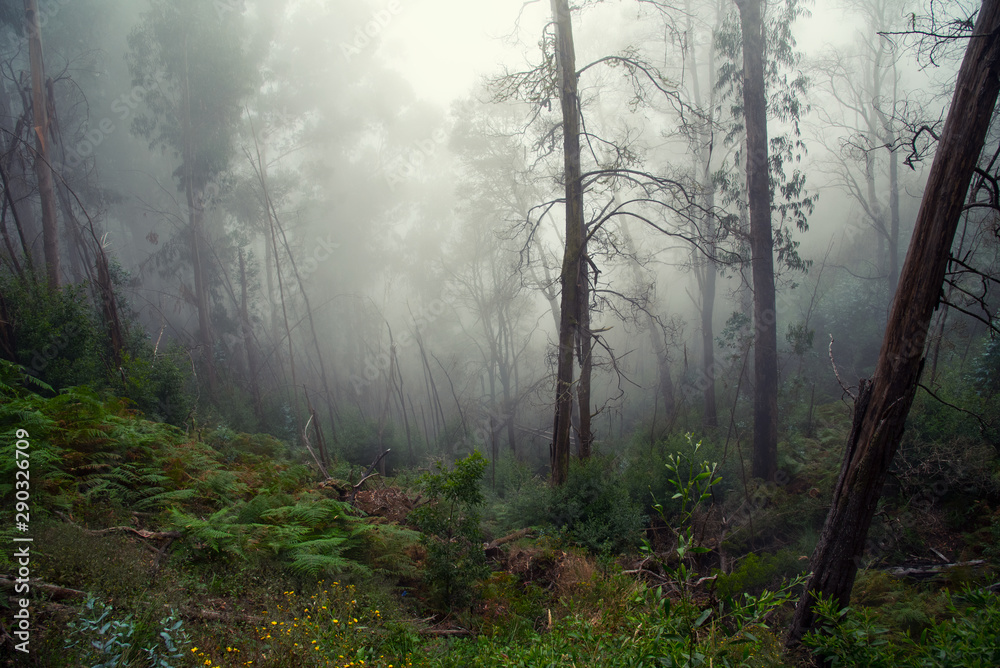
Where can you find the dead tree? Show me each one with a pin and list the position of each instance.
(883, 401)
(572, 269)
(43, 168)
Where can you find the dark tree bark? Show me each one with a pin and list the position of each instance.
(883, 402)
(43, 169)
(765, 424)
(585, 348)
(572, 270)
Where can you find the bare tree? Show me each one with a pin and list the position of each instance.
(866, 87)
(575, 249)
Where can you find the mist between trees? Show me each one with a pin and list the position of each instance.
(647, 220)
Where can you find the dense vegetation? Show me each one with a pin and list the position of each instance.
(209, 547)
(301, 365)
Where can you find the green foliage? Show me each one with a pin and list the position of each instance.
(56, 335)
(642, 628)
(311, 536)
(968, 636)
(451, 531)
(510, 607)
(692, 485)
(846, 639)
(141, 488)
(98, 640)
(157, 384)
(757, 572)
(594, 510)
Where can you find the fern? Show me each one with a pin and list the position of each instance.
(316, 564)
(15, 380)
(135, 487)
(217, 532)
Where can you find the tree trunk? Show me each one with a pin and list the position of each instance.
(194, 188)
(705, 268)
(765, 427)
(43, 169)
(249, 347)
(585, 344)
(573, 254)
(884, 401)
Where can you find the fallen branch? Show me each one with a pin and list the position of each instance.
(920, 572)
(141, 533)
(368, 474)
(55, 591)
(520, 533)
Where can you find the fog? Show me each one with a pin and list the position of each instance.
(356, 208)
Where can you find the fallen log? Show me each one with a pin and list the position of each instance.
(492, 548)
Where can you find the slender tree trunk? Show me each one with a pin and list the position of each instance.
(574, 252)
(9, 201)
(882, 404)
(711, 417)
(253, 367)
(893, 244)
(665, 384)
(43, 169)
(765, 428)
(585, 345)
(13, 172)
(194, 188)
(705, 267)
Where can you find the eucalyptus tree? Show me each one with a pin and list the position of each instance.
(760, 80)
(495, 194)
(43, 133)
(604, 180)
(202, 72)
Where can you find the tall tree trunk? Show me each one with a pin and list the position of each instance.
(765, 427)
(585, 349)
(573, 255)
(194, 188)
(705, 268)
(890, 139)
(711, 418)
(43, 169)
(883, 402)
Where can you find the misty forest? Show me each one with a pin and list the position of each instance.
(516, 333)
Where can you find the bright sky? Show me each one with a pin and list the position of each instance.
(443, 47)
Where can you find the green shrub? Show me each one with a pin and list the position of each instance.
(452, 535)
(98, 640)
(594, 510)
(968, 636)
(757, 572)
